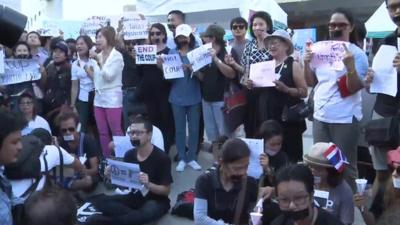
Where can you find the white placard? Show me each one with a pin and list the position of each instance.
(49, 29)
(92, 24)
(172, 66)
(256, 149)
(200, 57)
(19, 70)
(135, 29)
(2, 61)
(146, 54)
(122, 145)
(329, 54)
(125, 174)
(321, 198)
(263, 74)
(385, 77)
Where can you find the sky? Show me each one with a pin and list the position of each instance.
(81, 9)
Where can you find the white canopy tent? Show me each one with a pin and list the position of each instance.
(379, 24)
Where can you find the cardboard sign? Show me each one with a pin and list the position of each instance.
(263, 74)
(146, 54)
(328, 54)
(172, 66)
(19, 70)
(92, 24)
(200, 57)
(125, 174)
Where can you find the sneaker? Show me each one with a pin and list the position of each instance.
(194, 165)
(181, 166)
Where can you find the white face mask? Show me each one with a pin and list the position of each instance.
(270, 152)
(317, 179)
(396, 182)
(68, 137)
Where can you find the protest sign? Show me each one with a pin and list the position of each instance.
(49, 29)
(122, 145)
(135, 29)
(2, 61)
(19, 70)
(328, 54)
(125, 174)
(256, 147)
(301, 36)
(321, 198)
(200, 57)
(172, 66)
(92, 24)
(146, 54)
(385, 78)
(263, 74)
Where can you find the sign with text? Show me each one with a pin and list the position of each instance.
(263, 74)
(2, 56)
(200, 57)
(328, 54)
(125, 174)
(172, 66)
(92, 24)
(19, 70)
(256, 147)
(301, 36)
(135, 29)
(146, 54)
(49, 29)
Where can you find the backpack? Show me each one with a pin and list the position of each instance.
(184, 204)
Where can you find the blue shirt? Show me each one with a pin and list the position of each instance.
(5, 200)
(185, 91)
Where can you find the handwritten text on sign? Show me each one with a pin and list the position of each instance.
(256, 147)
(19, 70)
(125, 174)
(92, 24)
(172, 66)
(328, 54)
(135, 29)
(146, 54)
(200, 57)
(263, 74)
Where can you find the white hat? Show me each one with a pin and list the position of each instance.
(184, 30)
(285, 36)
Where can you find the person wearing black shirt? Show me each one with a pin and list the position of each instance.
(153, 89)
(155, 175)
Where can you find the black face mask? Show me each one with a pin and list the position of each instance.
(296, 215)
(236, 178)
(171, 26)
(336, 33)
(181, 44)
(135, 143)
(22, 57)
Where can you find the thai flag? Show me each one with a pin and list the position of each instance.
(336, 157)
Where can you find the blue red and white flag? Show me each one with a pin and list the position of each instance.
(336, 157)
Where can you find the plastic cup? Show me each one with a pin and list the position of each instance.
(255, 217)
(361, 184)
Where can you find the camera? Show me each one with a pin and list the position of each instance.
(12, 24)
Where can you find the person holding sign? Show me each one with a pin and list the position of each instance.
(185, 98)
(108, 83)
(152, 78)
(214, 80)
(82, 81)
(337, 98)
(290, 88)
(155, 175)
(328, 178)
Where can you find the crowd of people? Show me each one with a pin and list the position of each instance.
(91, 91)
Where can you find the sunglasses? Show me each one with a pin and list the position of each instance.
(240, 27)
(70, 129)
(157, 33)
(338, 25)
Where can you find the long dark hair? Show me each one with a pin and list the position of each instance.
(192, 42)
(161, 28)
(349, 16)
(264, 16)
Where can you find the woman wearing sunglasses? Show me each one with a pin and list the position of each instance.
(153, 90)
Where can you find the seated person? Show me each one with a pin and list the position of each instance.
(27, 105)
(219, 191)
(328, 178)
(50, 206)
(387, 197)
(271, 161)
(84, 147)
(295, 190)
(155, 167)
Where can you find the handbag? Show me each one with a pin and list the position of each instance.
(383, 132)
(296, 113)
(234, 106)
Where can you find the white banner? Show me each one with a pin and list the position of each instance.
(172, 66)
(125, 174)
(19, 70)
(200, 57)
(135, 29)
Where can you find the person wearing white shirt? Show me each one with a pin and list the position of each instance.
(26, 104)
(82, 82)
(175, 18)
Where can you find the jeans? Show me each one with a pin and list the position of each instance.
(130, 209)
(213, 120)
(108, 119)
(191, 114)
(128, 101)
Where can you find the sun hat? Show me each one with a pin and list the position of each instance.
(283, 35)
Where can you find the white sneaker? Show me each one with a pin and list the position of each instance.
(194, 165)
(181, 166)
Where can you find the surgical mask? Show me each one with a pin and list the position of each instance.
(317, 179)
(135, 143)
(336, 33)
(270, 152)
(296, 215)
(396, 182)
(68, 137)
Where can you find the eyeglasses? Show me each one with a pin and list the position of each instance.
(25, 103)
(240, 27)
(156, 33)
(136, 132)
(70, 129)
(338, 25)
(297, 200)
(393, 7)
